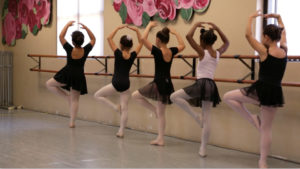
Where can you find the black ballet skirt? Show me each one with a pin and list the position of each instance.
(267, 90)
(203, 89)
(72, 75)
(120, 79)
(161, 87)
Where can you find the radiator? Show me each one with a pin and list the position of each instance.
(6, 79)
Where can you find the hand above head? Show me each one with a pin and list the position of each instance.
(256, 14)
(82, 26)
(200, 24)
(132, 28)
(153, 24)
(122, 26)
(70, 23)
(213, 26)
(172, 30)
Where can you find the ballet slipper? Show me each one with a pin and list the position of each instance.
(202, 153)
(72, 125)
(257, 121)
(158, 142)
(199, 121)
(120, 135)
(262, 164)
(119, 109)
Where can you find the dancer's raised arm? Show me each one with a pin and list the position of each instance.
(139, 36)
(191, 40)
(145, 40)
(181, 44)
(225, 40)
(283, 41)
(64, 32)
(90, 33)
(259, 47)
(111, 36)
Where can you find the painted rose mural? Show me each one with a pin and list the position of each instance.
(19, 16)
(140, 12)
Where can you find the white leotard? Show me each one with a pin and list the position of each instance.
(207, 66)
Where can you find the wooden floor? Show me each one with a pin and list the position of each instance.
(37, 140)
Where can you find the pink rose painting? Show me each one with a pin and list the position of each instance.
(19, 15)
(140, 12)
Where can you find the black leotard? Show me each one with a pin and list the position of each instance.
(72, 75)
(162, 71)
(267, 89)
(120, 79)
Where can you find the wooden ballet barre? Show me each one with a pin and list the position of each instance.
(288, 84)
(149, 57)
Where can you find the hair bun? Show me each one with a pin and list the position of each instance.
(166, 30)
(203, 30)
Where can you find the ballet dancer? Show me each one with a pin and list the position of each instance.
(266, 91)
(204, 92)
(120, 81)
(71, 77)
(161, 87)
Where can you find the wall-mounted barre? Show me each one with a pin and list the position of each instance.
(104, 72)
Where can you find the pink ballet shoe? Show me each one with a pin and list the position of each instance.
(157, 143)
(119, 135)
(119, 110)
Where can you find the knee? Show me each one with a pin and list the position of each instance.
(173, 97)
(227, 97)
(99, 95)
(48, 83)
(96, 95)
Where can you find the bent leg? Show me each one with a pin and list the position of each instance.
(235, 99)
(102, 94)
(141, 99)
(179, 97)
(55, 87)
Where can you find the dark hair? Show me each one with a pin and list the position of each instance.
(273, 31)
(208, 36)
(164, 35)
(78, 38)
(126, 42)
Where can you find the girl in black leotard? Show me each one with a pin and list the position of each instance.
(161, 87)
(267, 91)
(71, 77)
(120, 82)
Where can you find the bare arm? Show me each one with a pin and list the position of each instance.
(259, 47)
(181, 44)
(145, 40)
(192, 42)
(139, 36)
(64, 31)
(90, 33)
(111, 36)
(225, 40)
(283, 41)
